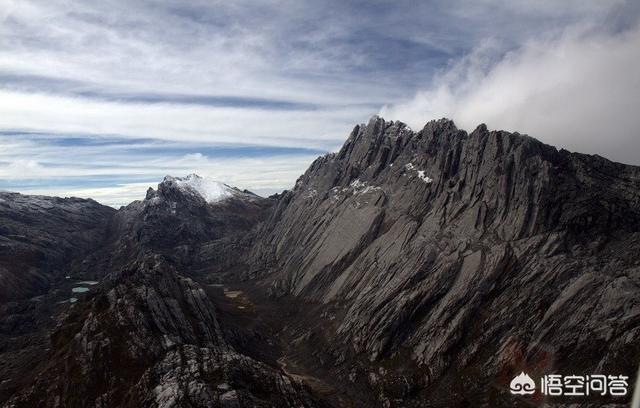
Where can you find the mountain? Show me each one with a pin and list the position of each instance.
(41, 236)
(411, 268)
(461, 259)
(42, 240)
(148, 334)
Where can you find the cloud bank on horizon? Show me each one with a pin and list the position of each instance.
(579, 91)
(102, 99)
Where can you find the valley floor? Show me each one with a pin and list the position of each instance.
(282, 333)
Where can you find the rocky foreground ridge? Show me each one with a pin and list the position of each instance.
(408, 269)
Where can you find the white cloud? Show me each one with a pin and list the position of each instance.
(580, 91)
(115, 196)
(49, 113)
(85, 68)
(22, 169)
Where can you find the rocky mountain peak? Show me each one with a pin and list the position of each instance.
(453, 249)
(210, 190)
(398, 268)
(522, 174)
(196, 189)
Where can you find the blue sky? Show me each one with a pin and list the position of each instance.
(102, 99)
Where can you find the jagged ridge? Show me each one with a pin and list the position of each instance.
(429, 266)
(459, 250)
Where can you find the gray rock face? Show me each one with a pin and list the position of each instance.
(408, 269)
(42, 241)
(151, 339)
(182, 226)
(149, 336)
(481, 253)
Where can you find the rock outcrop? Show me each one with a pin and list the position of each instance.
(42, 239)
(470, 256)
(151, 338)
(411, 268)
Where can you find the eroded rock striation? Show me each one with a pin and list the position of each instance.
(411, 268)
(468, 255)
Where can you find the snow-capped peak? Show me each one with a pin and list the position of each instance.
(212, 191)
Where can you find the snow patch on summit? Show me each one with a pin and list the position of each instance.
(212, 191)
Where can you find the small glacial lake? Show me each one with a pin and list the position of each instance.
(80, 289)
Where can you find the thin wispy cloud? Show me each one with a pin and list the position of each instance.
(117, 171)
(103, 98)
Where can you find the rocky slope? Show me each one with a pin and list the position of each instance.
(182, 225)
(411, 268)
(41, 241)
(40, 236)
(465, 256)
(149, 335)
(151, 338)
